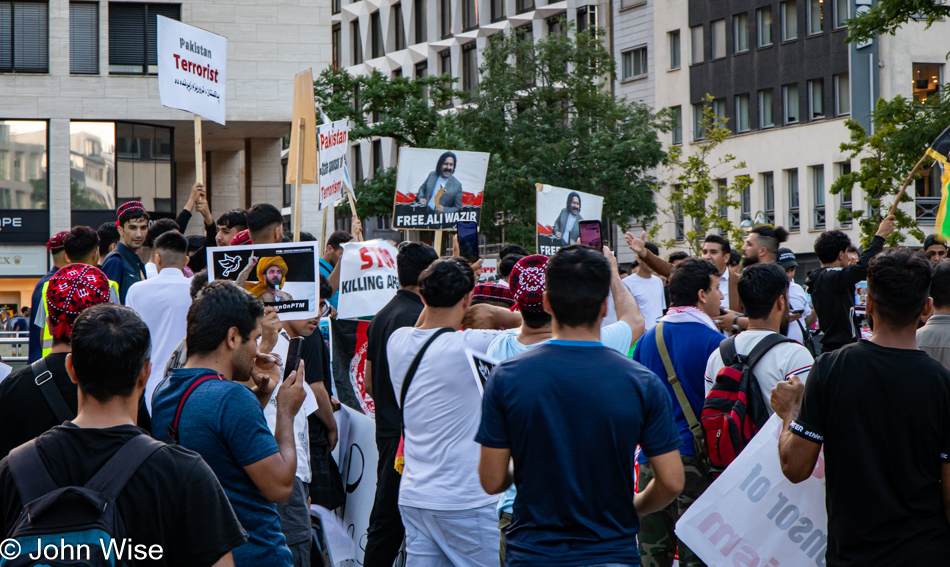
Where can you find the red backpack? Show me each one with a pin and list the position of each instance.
(734, 410)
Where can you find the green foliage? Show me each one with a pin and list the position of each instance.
(887, 16)
(903, 129)
(693, 190)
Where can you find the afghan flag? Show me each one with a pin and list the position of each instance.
(940, 151)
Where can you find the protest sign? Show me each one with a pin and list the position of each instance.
(435, 189)
(753, 515)
(482, 366)
(368, 278)
(191, 69)
(334, 141)
(489, 271)
(348, 364)
(559, 212)
(357, 458)
(285, 275)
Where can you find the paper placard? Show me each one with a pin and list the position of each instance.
(455, 179)
(559, 212)
(333, 139)
(192, 69)
(368, 278)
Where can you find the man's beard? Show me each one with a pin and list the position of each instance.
(242, 369)
(746, 261)
(783, 327)
(273, 284)
(446, 173)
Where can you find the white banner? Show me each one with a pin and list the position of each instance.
(368, 278)
(489, 271)
(334, 141)
(559, 212)
(752, 514)
(191, 69)
(357, 456)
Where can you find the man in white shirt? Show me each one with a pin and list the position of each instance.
(163, 302)
(449, 518)
(801, 316)
(647, 289)
(763, 289)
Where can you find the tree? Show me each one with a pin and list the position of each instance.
(886, 17)
(545, 112)
(903, 129)
(693, 194)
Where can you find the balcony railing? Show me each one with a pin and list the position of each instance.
(927, 210)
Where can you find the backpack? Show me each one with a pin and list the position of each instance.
(84, 518)
(734, 410)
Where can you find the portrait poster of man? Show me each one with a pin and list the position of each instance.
(435, 189)
(281, 275)
(559, 213)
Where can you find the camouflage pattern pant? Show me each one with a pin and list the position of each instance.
(657, 542)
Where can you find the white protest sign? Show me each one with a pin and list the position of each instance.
(191, 69)
(489, 271)
(368, 278)
(753, 515)
(333, 142)
(559, 212)
(357, 456)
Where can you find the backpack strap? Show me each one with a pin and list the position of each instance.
(119, 469)
(30, 475)
(410, 374)
(173, 427)
(688, 412)
(727, 350)
(764, 346)
(44, 380)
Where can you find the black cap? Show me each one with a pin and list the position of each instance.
(786, 258)
(934, 239)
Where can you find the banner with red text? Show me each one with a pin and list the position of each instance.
(333, 141)
(191, 69)
(368, 278)
(753, 515)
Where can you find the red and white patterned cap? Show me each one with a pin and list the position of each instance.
(527, 281)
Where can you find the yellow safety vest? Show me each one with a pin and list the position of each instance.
(47, 343)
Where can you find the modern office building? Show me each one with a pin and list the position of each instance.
(82, 129)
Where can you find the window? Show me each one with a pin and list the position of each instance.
(23, 171)
(399, 28)
(497, 10)
(818, 187)
(377, 155)
(445, 13)
(745, 199)
(84, 38)
(722, 197)
(357, 42)
(92, 165)
(815, 16)
(422, 70)
(742, 113)
(766, 120)
(763, 24)
(928, 197)
(816, 99)
(445, 62)
(789, 12)
(470, 70)
(676, 115)
(740, 33)
(927, 80)
(397, 73)
(132, 31)
(674, 49)
(522, 6)
(633, 63)
(357, 164)
(376, 35)
(717, 39)
(842, 95)
(556, 25)
(469, 15)
(696, 45)
(680, 224)
(143, 165)
(841, 13)
(698, 131)
(719, 108)
(336, 40)
(793, 219)
(790, 103)
(587, 19)
(624, 4)
(768, 189)
(844, 168)
(24, 37)
(419, 15)
(334, 9)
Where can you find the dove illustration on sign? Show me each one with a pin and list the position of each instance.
(231, 264)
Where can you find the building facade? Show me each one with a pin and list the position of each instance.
(82, 129)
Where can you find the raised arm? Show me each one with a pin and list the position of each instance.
(654, 262)
(624, 304)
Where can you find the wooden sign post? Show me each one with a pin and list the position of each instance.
(199, 153)
(302, 158)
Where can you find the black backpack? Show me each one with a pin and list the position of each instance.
(85, 518)
(734, 410)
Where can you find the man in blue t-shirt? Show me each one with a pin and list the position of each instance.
(223, 420)
(573, 434)
(331, 259)
(690, 335)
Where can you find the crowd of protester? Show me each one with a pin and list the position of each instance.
(600, 372)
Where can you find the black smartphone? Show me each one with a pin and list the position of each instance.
(798, 311)
(468, 240)
(590, 234)
(293, 356)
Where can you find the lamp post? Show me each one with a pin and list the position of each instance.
(760, 219)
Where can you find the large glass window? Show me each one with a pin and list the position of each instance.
(676, 115)
(419, 13)
(818, 186)
(674, 49)
(445, 13)
(768, 190)
(766, 119)
(335, 40)
(793, 204)
(696, 45)
(790, 103)
(92, 172)
(815, 16)
(522, 6)
(357, 42)
(816, 99)
(470, 70)
(633, 63)
(23, 165)
(24, 37)
(789, 12)
(376, 35)
(84, 38)
(144, 165)
(717, 39)
(763, 22)
(842, 94)
(841, 13)
(133, 28)
(740, 33)
(498, 10)
(742, 113)
(927, 80)
(399, 29)
(469, 15)
(698, 131)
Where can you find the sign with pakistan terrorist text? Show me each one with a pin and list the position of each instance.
(191, 69)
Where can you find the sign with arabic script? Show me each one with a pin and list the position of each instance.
(191, 69)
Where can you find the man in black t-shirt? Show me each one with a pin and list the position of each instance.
(173, 500)
(881, 408)
(386, 531)
(832, 285)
